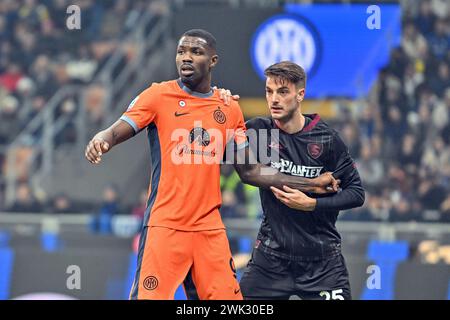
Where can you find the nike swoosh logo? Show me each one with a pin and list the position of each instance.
(237, 291)
(180, 114)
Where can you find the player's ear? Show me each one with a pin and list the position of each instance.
(214, 61)
(300, 94)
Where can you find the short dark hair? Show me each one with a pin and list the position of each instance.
(287, 71)
(200, 33)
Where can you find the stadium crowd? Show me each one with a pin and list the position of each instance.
(399, 136)
(39, 55)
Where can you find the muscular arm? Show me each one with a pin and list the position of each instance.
(352, 194)
(259, 175)
(103, 141)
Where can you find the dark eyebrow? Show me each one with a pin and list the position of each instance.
(191, 47)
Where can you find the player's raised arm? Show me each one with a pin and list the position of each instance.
(259, 175)
(103, 141)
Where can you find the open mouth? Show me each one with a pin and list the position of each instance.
(186, 70)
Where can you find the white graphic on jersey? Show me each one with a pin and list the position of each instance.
(286, 166)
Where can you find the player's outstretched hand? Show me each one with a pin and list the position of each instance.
(95, 149)
(226, 95)
(326, 183)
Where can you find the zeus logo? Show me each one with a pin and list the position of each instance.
(285, 166)
(281, 38)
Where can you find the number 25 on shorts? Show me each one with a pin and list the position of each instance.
(335, 295)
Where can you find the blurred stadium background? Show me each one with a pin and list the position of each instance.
(386, 90)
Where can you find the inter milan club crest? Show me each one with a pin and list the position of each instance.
(219, 116)
(315, 150)
(150, 283)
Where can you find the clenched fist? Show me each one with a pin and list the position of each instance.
(95, 149)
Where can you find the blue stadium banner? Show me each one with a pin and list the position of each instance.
(339, 46)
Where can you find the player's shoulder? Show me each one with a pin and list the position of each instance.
(233, 105)
(233, 108)
(317, 124)
(259, 123)
(160, 87)
(322, 128)
(152, 93)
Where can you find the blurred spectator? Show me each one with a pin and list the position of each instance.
(101, 222)
(83, 68)
(35, 14)
(445, 210)
(402, 211)
(21, 156)
(25, 202)
(370, 168)
(409, 155)
(441, 112)
(426, 17)
(395, 127)
(411, 81)
(93, 12)
(436, 156)
(61, 203)
(367, 122)
(431, 194)
(110, 205)
(110, 27)
(9, 117)
(68, 133)
(139, 210)
(94, 102)
(413, 43)
(11, 77)
(229, 207)
(398, 62)
(441, 81)
(351, 136)
(440, 39)
(42, 74)
(233, 196)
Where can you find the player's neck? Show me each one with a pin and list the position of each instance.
(203, 86)
(294, 124)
